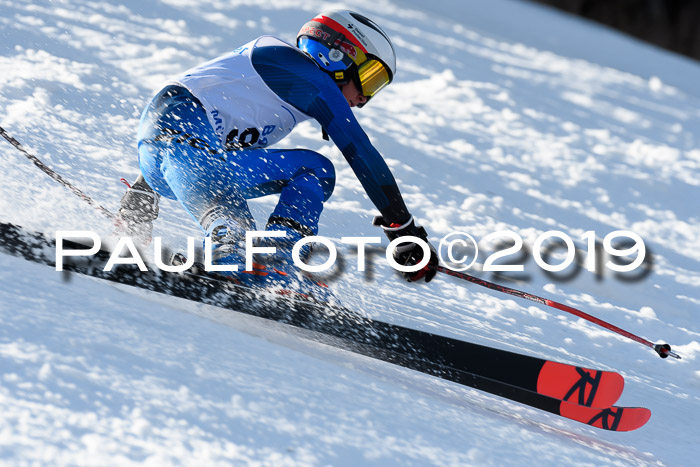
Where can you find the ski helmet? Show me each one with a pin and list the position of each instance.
(350, 47)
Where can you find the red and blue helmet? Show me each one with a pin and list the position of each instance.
(349, 46)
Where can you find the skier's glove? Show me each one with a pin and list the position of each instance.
(408, 254)
(138, 210)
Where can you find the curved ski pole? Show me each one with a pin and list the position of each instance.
(51, 173)
(664, 350)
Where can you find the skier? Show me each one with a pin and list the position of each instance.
(204, 139)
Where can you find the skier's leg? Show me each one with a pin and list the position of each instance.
(178, 159)
(304, 179)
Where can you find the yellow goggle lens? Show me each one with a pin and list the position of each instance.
(373, 77)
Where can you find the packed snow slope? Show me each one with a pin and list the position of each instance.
(503, 116)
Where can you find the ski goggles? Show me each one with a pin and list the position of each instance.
(373, 76)
(372, 73)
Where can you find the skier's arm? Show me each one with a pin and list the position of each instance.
(297, 80)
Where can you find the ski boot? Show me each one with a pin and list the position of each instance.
(227, 249)
(137, 211)
(279, 273)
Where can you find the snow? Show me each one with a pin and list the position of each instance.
(504, 116)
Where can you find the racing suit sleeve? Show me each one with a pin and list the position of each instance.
(296, 79)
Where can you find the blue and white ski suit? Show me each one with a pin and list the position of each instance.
(203, 140)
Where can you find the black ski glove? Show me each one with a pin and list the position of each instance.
(408, 254)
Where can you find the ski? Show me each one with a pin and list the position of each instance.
(578, 385)
(577, 393)
(611, 418)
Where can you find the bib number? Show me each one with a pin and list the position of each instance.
(247, 138)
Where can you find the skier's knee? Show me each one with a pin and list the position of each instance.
(325, 172)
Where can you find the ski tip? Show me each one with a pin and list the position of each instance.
(582, 386)
(611, 419)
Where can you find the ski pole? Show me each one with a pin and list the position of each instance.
(664, 350)
(51, 173)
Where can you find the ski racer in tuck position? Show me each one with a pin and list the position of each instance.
(204, 140)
